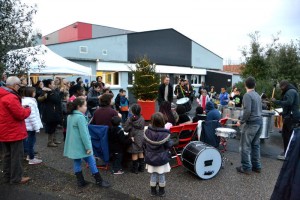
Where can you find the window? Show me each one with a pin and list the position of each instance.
(83, 49)
(195, 79)
(130, 78)
(111, 78)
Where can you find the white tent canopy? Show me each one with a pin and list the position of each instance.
(55, 64)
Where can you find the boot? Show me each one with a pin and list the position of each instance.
(161, 192)
(50, 141)
(80, 179)
(54, 139)
(135, 166)
(153, 191)
(141, 165)
(99, 181)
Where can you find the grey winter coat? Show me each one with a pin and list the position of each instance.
(135, 126)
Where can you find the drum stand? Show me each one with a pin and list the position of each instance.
(223, 142)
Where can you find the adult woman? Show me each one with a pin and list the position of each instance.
(39, 92)
(165, 109)
(52, 115)
(105, 113)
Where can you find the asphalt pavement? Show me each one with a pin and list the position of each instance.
(54, 179)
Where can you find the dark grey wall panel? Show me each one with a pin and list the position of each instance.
(218, 80)
(164, 47)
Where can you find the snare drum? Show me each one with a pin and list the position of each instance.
(226, 132)
(201, 159)
(185, 102)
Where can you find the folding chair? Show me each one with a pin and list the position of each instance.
(191, 128)
(99, 138)
(176, 130)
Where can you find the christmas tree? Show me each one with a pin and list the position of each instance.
(146, 80)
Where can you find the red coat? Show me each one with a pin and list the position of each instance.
(12, 116)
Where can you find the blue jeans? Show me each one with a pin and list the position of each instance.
(90, 160)
(157, 178)
(25, 146)
(31, 142)
(124, 116)
(250, 147)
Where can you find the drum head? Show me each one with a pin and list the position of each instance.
(208, 163)
(182, 100)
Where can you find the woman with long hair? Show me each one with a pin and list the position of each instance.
(165, 109)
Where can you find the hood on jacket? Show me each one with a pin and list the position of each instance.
(5, 91)
(209, 106)
(156, 136)
(138, 122)
(289, 87)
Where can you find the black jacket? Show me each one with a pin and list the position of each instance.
(290, 103)
(118, 102)
(161, 93)
(288, 182)
(156, 146)
(92, 98)
(180, 92)
(52, 112)
(117, 140)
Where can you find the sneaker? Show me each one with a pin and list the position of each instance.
(35, 161)
(119, 172)
(241, 170)
(281, 157)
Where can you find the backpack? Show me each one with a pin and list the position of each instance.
(124, 105)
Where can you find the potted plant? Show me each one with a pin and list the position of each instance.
(145, 86)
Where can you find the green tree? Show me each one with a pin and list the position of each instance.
(255, 63)
(16, 20)
(146, 80)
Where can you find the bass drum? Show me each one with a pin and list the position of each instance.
(185, 102)
(202, 159)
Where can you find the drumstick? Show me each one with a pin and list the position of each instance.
(274, 88)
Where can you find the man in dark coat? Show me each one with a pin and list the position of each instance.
(165, 91)
(290, 114)
(287, 185)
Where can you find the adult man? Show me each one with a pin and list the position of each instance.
(189, 90)
(224, 99)
(13, 130)
(290, 114)
(250, 142)
(180, 89)
(165, 91)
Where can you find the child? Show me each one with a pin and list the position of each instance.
(117, 142)
(78, 92)
(203, 99)
(124, 106)
(33, 122)
(64, 102)
(157, 144)
(135, 126)
(199, 115)
(237, 98)
(78, 143)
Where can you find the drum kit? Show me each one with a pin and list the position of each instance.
(185, 102)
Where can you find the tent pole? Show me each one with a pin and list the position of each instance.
(28, 79)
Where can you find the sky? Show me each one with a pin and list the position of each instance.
(221, 26)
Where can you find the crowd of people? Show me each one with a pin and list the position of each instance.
(72, 106)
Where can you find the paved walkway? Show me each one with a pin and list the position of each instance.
(55, 180)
